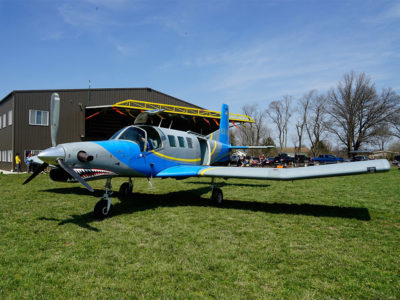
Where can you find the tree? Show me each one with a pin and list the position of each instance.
(303, 109)
(395, 123)
(316, 126)
(280, 113)
(382, 136)
(253, 133)
(356, 110)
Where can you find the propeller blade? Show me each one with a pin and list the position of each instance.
(75, 175)
(37, 172)
(54, 117)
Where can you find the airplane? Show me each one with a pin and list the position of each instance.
(142, 150)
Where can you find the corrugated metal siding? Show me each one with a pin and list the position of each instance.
(6, 133)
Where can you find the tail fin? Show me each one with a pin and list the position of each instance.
(224, 125)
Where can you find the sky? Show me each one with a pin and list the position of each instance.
(204, 52)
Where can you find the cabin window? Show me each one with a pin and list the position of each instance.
(181, 142)
(171, 140)
(189, 142)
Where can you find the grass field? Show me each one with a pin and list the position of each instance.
(324, 238)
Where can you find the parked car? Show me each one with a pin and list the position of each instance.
(396, 160)
(301, 159)
(283, 159)
(359, 158)
(326, 159)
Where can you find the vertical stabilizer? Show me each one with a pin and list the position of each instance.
(224, 125)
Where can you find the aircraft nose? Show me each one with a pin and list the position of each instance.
(50, 155)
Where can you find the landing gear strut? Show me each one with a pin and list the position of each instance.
(216, 194)
(126, 188)
(103, 208)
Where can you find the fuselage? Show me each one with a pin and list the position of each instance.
(136, 151)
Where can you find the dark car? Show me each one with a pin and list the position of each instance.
(359, 158)
(283, 159)
(301, 159)
(396, 160)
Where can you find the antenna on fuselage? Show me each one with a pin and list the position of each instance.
(172, 121)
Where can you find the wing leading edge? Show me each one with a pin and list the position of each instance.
(341, 169)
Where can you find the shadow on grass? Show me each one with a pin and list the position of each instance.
(141, 202)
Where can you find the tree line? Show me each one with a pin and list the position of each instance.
(353, 113)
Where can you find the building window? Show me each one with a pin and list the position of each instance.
(9, 117)
(10, 156)
(172, 141)
(38, 117)
(1, 124)
(4, 156)
(4, 121)
(189, 142)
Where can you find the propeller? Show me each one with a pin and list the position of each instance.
(75, 175)
(56, 154)
(37, 172)
(54, 117)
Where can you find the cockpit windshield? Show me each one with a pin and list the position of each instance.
(147, 137)
(133, 134)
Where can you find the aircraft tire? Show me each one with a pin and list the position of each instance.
(217, 197)
(100, 210)
(125, 189)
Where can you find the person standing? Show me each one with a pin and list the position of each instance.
(18, 162)
(28, 162)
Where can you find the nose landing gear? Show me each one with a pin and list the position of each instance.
(103, 208)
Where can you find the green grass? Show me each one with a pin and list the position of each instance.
(323, 238)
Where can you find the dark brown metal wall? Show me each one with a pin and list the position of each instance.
(6, 141)
(72, 118)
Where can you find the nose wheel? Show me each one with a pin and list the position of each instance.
(103, 208)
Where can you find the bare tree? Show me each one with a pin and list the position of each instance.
(395, 123)
(356, 109)
(280, 113)
(382, 136)
(253, 133)
(303, 110)
(316, 127)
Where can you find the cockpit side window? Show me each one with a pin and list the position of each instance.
(133, 134)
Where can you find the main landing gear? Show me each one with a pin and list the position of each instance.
(216, 194)
(126, 188)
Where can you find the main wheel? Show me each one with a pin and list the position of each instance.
(100, 210)
(217, 197)
(125, 189)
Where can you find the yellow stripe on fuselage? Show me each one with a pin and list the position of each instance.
(215, 146)
(176, 158)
